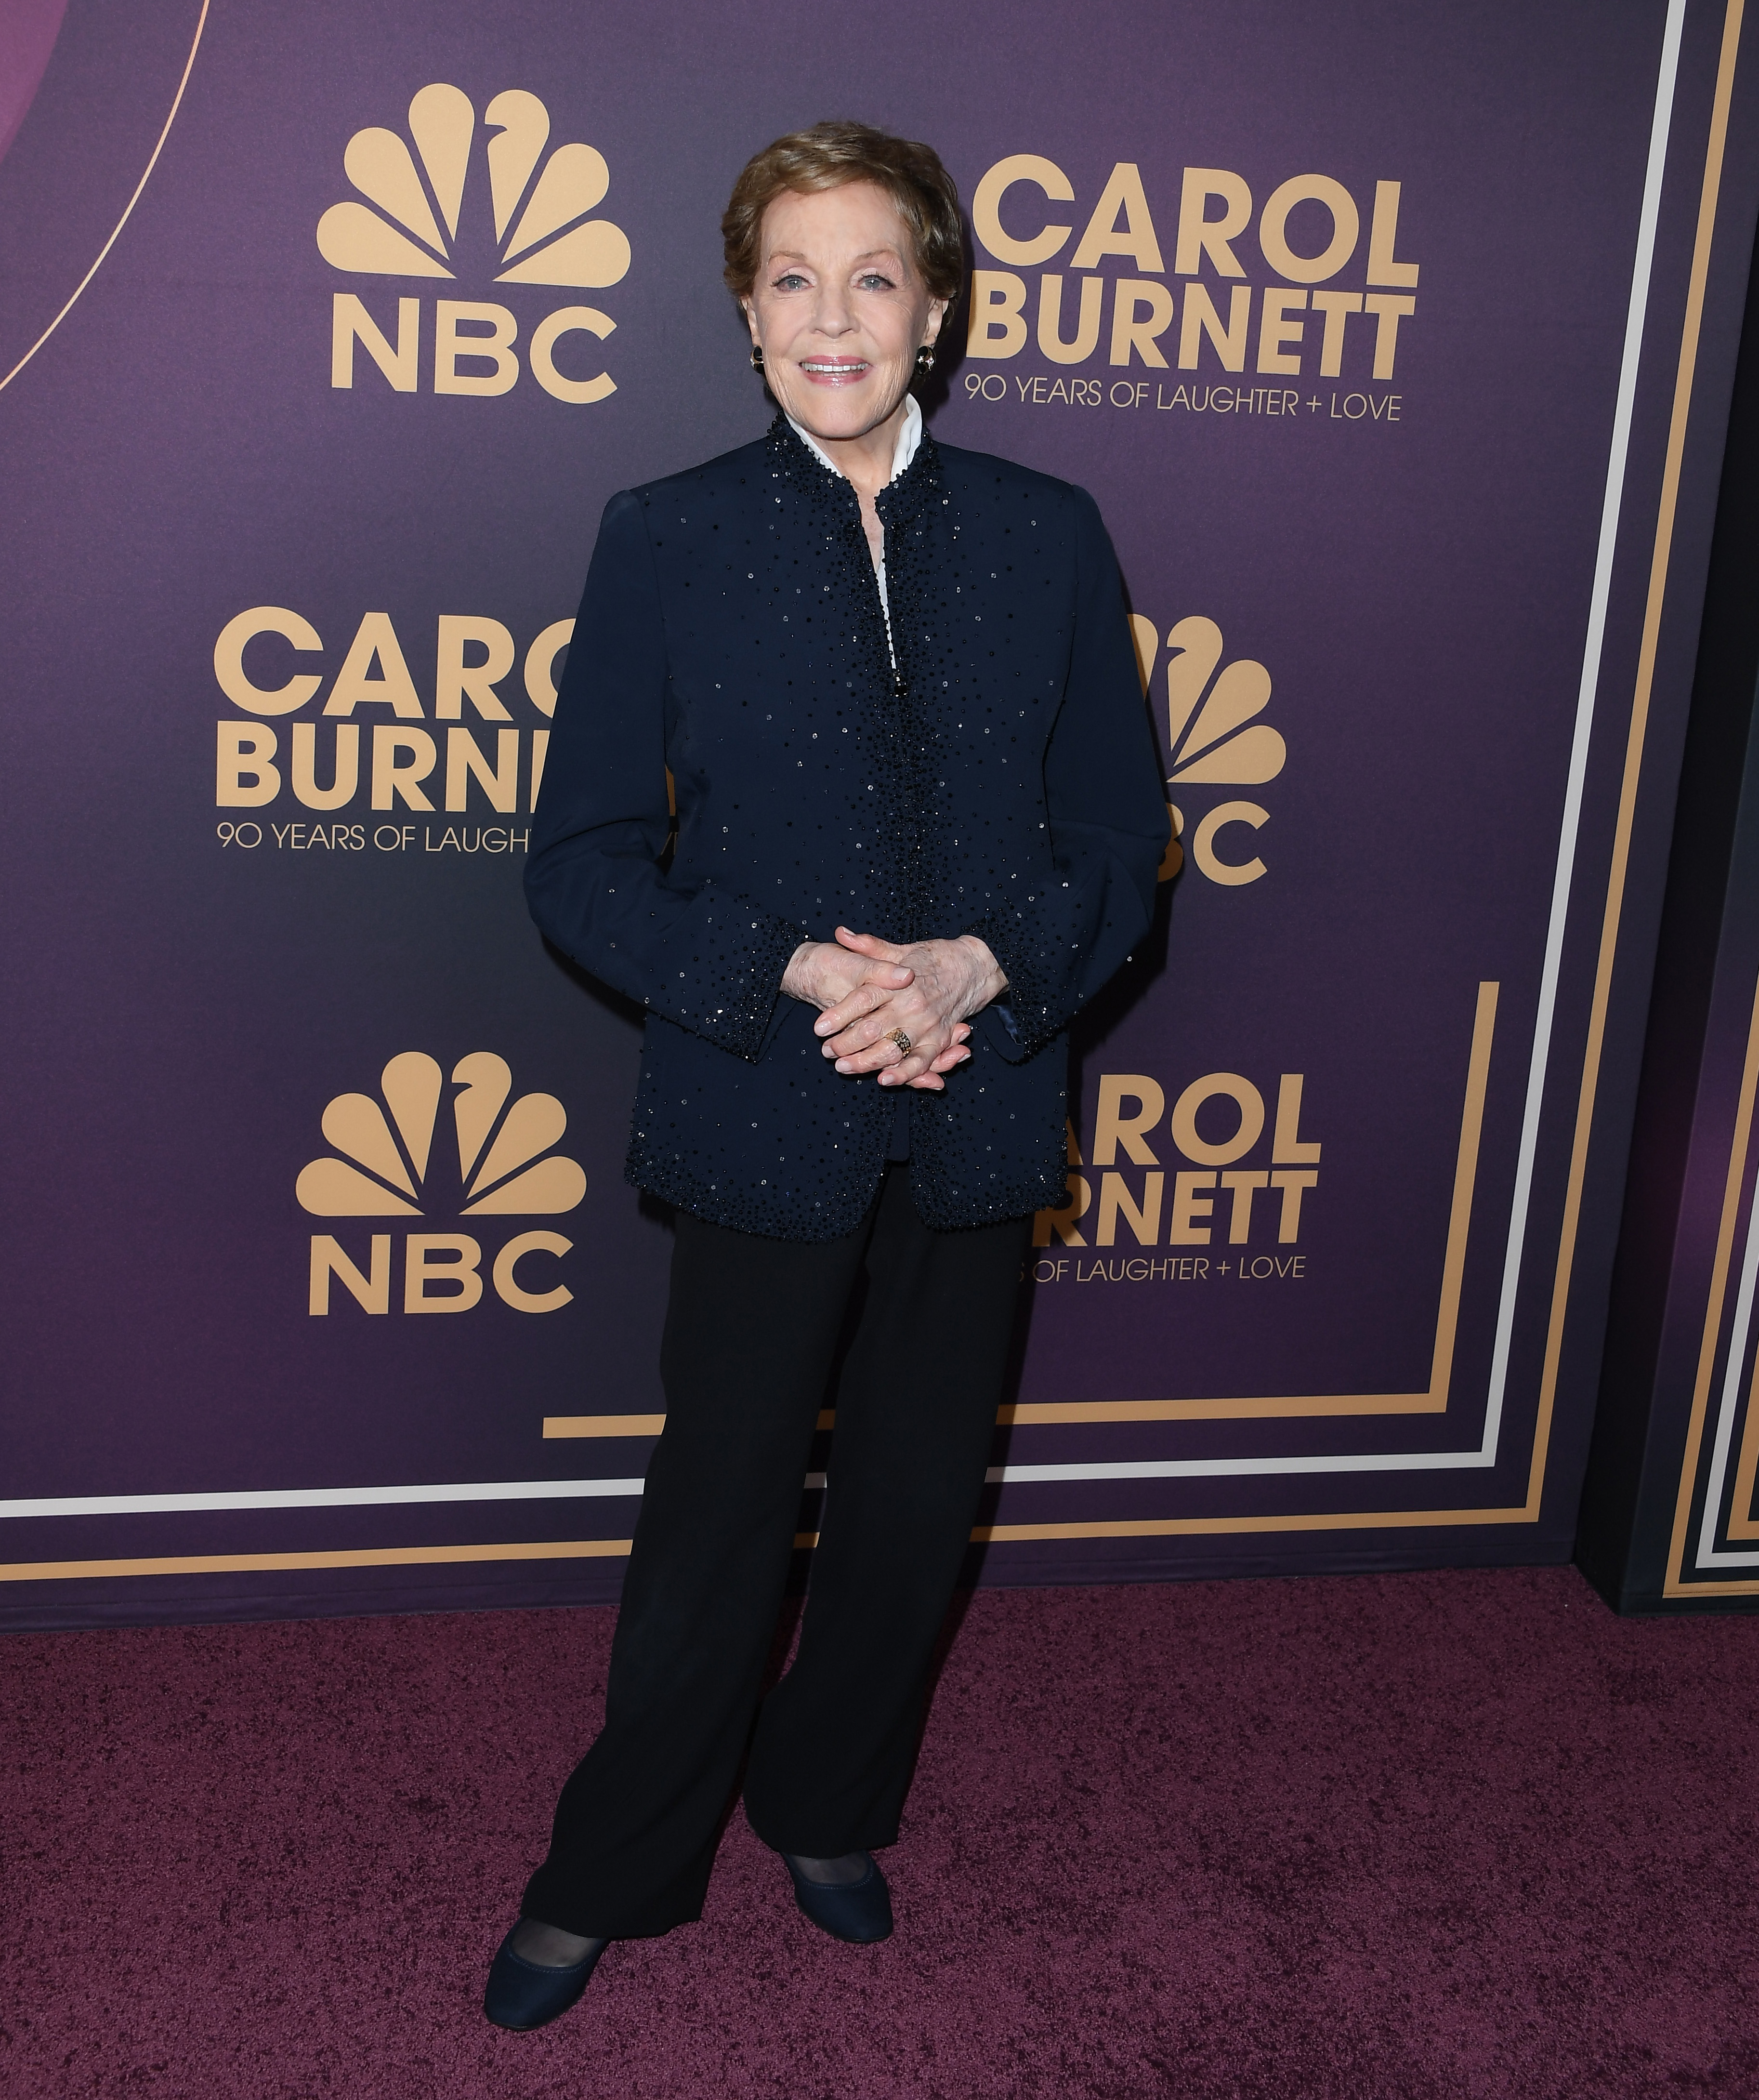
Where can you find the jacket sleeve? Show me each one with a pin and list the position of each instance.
(1107, 811)
(594, 883)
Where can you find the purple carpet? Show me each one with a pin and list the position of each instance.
(1416, 1836)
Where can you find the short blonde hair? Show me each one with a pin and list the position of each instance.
(826, 156)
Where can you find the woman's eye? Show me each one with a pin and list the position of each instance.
(873, 281)
(792, 282)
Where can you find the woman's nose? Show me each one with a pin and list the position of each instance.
(833, 316)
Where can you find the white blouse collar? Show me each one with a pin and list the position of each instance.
(908, 438)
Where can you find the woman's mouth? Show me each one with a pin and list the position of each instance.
(835, 371)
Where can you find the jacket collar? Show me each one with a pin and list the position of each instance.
(908, 438)
(803, 467)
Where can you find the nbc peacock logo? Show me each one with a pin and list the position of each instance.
(386, 1164)
(420, 218)
(1212, 737)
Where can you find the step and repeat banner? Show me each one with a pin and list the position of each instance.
(1396, 350)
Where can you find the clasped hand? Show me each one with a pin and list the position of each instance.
(869, 988)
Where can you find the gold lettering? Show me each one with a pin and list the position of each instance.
(1128, 333)
(1103, 236)
(986, 223)
(350, 323)
(1112, 1128)
(1114, 1195)
(1202, 318)
(997, 317)
(1198, 236)
(1086, 335)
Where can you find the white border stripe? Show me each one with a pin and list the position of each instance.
(1708, 1556)
(1199, 1469)
(1545, 1019)
(1609, 508)
(261, 1498)
(256, 1498)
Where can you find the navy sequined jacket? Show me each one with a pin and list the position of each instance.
(1002, 782)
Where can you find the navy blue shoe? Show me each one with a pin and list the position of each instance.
(523, 1995)
(859, 1911)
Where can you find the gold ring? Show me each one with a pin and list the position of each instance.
(896, 1035)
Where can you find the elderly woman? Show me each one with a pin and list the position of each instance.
(919, 818)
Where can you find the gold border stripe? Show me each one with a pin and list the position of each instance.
(603, 1425)
(1713, 1327)
(1186, 1527)
(1040, 1411)
(201, 23)
(1464, 1181)
(1613, 913)
(1435, 1401)
(631, 1425)
(260, 1563)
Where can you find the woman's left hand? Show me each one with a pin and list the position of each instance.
(950, 980)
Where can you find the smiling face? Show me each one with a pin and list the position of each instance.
(839, 309)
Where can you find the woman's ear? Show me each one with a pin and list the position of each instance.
(936, 314)
(749, 312)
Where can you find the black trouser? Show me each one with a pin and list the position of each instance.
(751, 1331)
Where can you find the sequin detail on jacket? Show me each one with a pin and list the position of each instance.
(1002, 782)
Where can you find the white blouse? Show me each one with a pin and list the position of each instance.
(908, 438)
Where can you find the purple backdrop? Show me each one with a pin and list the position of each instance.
(1397, 349)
